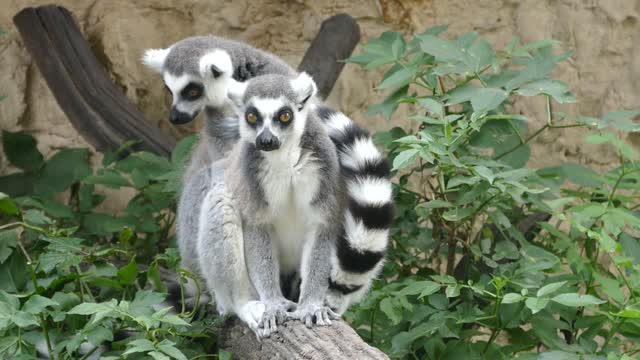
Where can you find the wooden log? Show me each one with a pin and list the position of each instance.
(295, 341)
(335, 41)
(93, 103)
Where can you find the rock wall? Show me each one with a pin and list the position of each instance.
(604, 70)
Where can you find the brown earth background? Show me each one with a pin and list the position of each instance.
(604, 71)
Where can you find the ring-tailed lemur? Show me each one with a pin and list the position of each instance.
(209, 65)
(284, 176)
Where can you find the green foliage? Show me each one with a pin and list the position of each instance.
(71, 274)
(490, 258)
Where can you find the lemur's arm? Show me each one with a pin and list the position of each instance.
(315, 272)
(264, 272)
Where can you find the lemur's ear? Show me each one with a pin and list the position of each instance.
(304, 87)
(154, 58)
(235, 92)
(215, 64)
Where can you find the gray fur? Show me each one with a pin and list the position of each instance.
(250, 174)
(248, 61)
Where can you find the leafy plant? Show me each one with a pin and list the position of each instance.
(491, 258)
(72, 276)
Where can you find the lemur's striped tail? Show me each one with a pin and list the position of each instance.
(361, 248)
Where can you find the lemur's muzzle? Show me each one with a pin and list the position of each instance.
(266, 141)
(178, 117)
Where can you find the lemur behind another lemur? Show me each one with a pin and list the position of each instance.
(198, 72)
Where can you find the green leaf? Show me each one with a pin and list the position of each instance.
(429, 288)
(443, 50)
(182, 151)
(433, 106)
(24, 319)
(458, 214)
(404, 158)
(436, 204)
(7, 344)
(485, 173)
(536, 304)
(9, 301)
(21, 150)
(554, 88)
(550, 288)
(623, 148)
(389, 105)
(13, 277)
(137, 346)
(630, 312)
(610, 287)
(577, 300)
(401, 77)
(401, 342)
(581, 175)
(481, 54)
(144, 302)
(7, 206)
(8, 242)
(107, 177)
(63, 169)
(453, 291)
(224, 355)
(512, 298)
(536, 259)
(37, 304)
(392, 310)
(36, 217)
(127, 274)
(168, 348)
(158, 355)
(630, 246)
(621, 120)
(89, 308)
(487, 99)
(173, 320)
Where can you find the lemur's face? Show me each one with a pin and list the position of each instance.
(273, 109)
(188, 97)
(194, 83)
(270, 122)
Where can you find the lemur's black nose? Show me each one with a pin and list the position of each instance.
(178, 117)
(266, 141)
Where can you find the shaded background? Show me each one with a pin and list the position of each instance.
(604, 71)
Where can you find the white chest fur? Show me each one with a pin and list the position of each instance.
(290, 182)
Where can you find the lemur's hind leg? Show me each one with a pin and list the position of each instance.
(221, 257)
(196, 186)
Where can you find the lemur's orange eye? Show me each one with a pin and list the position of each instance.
(285, 116)
(194, 93)
(251, 118)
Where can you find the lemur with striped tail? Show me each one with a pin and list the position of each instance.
(199, 72)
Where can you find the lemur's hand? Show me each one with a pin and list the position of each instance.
(275, 313)
(314, 313)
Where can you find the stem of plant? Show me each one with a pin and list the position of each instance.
(373, 320)
(612, 332)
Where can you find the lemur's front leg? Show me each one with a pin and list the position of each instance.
(315, 272)
(264, 272)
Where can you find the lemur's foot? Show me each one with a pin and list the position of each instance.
(275, 313)
(314, 314)
(251, 313)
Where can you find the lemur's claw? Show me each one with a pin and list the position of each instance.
(275, 313)
(312, 314)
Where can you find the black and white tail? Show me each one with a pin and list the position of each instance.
(362, 245)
